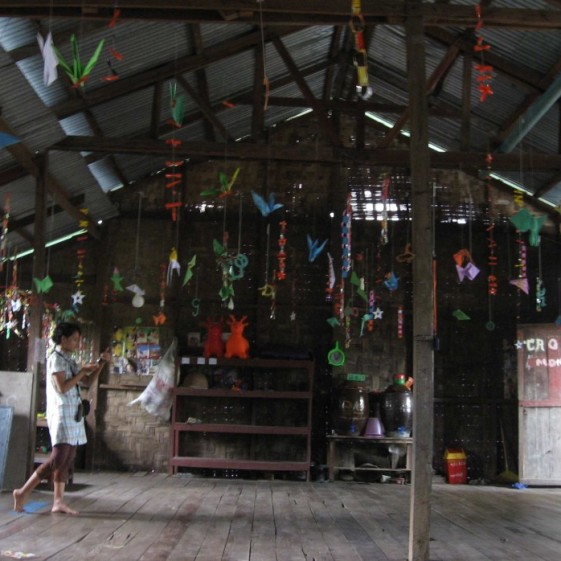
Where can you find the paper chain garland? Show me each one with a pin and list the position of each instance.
(485, 71)
(281, 255)
(356, 23)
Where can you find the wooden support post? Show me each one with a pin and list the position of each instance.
(423, 293)
(34, 344)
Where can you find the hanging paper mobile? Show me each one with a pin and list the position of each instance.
(78, 73)
(138, 298)
(226, 185)
(314, 248)
(43, 285)
(265, 207)
(177, 103)
(173, 265)
(356, 24)
(346, 239)
(50, 61)
(8, 139)
(391, 282)
(281, 255)
(540, 295)
(484, 71)
(400, 322)
(465, 267)
(522, 281)
(189, 271)
(117, 280)
(330, 278)
(524, 221)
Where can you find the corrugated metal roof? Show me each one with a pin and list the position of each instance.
(156, 46)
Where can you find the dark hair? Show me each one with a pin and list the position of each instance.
(65, 329)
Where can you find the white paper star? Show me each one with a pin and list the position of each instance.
(78, 297)
(293, 316)
(377, 314)
(519, 344)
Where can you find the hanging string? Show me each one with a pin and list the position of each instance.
(265, 78)
(137, 242)
(240, 225)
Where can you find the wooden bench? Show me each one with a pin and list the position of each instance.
(337, 444)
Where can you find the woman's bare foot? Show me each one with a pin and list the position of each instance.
(19, 500)
(62, 507)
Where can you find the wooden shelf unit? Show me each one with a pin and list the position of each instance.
(264, 424)
(336, 461)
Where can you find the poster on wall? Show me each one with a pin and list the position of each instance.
(539, 403)
(136, 350)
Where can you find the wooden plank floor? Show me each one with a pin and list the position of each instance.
(155, 517)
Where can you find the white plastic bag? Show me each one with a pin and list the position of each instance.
(158, 396)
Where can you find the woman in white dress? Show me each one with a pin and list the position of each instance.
(66, 425)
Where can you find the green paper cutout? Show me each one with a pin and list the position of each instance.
(44, 285)
(189, 271)
(333, 322)
(459, 315)
(78, 73)
(362, 294)
(524, 221)
(355, 279)
(116, 279)
(225, 185)
(177, 105)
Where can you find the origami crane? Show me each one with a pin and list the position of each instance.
(50, 61)
(524, 221)
(265, 207)
(391, 282)
(226, 185)
(314, 248)
(78, 73)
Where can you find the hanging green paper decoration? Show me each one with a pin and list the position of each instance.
(78, 73)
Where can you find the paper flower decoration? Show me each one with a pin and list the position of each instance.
(226, 185)
(265, 207)
(524, 221)
(50, 61)
(78, 73)
(314, 248)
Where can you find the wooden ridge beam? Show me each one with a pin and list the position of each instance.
(301, 153)
(282, 12)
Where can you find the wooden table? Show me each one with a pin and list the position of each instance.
(336, 442)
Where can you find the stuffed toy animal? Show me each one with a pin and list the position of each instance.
(237, 344)
(214, 345)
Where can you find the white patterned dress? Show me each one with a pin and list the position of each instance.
(61, 408)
